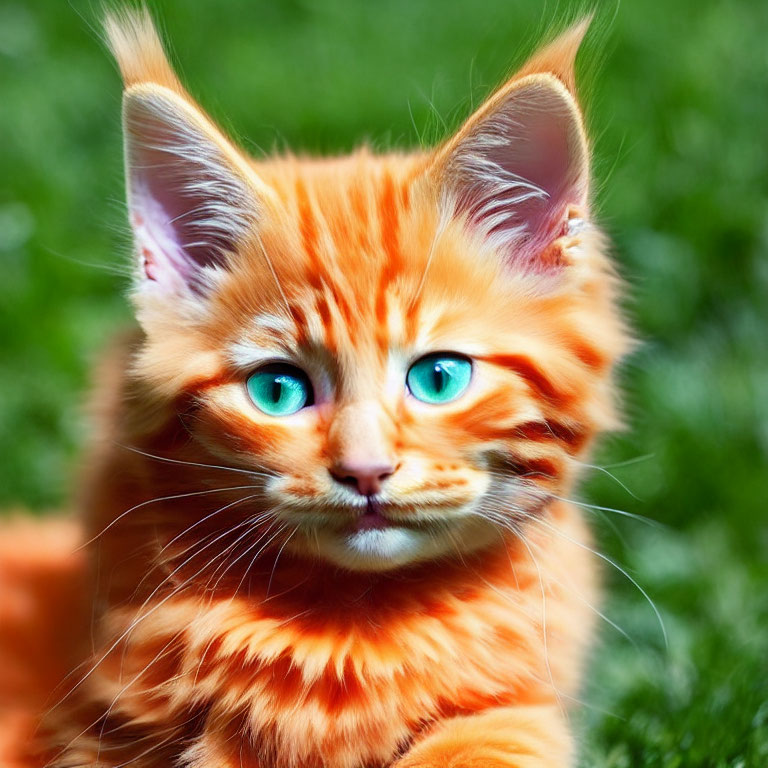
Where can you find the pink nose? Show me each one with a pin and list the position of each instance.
(366, 478)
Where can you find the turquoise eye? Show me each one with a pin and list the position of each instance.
(439, 378)
(280, 389)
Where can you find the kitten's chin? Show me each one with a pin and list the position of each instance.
(392, 547)
(376, 549)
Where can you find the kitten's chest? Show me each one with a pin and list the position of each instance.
(351, 689)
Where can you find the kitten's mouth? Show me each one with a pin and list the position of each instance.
(374, 514)
(372, 518)
(378, 516)
(380, 534)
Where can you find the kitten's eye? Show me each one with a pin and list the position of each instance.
(439, 378)
(280, 389)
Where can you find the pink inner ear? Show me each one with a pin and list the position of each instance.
(187, 214)
(190, 203)
(163, 257)
(518, 172)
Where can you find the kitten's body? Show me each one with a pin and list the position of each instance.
(453, 633)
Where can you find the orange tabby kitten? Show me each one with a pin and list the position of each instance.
(325, 519)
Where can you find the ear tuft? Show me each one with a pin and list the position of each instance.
(136, 46)
(519, 167)
(192, 196)
(558, 57)
(189, 193)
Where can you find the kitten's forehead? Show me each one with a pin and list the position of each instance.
(361, 270)
(347, 252)
(370, 357)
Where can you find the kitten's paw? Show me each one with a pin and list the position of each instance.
(467, 758)
(507, 737)
(462, 764)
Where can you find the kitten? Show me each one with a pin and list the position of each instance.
(326, 515)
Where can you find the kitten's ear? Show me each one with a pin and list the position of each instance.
(192, 197)
(519, 167)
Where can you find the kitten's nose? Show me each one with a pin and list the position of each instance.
(366, 477)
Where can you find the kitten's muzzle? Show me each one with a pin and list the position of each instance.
(365, 477)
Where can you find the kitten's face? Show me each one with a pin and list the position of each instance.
(409, 349)
(372, 470)
(393, 378)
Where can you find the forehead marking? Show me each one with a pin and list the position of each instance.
(388, 211)
(389, 223)
(360, 215)
(309, 236)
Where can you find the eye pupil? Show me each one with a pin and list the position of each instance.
(277, 390)
(439, 376)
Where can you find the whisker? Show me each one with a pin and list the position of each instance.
(277, 557)
(229, 565)
(589, 605)
(274, 274)
(117, 696)
(196, 543)
(252, 472)
(610, 474)
(190, 528)
(164, 498)
(507, 598)
(544, 637)
(630, 462)
(147, 751)
(543, 493)
(146, 615)
(222, 554)
(497, 517)
(646, 520)
(615, 565)
(255, 557)
(441, 227)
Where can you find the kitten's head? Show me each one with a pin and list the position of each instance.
(410, 351)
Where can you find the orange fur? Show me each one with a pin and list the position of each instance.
(43, 615)
(228, 629)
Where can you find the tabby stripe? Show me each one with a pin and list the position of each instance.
(538, 431)
(388, 218)
(300, 321)
(346, 311)
(318, 279)
(339, 225)
(246, 435)
(588, 355)
(405, 193)
(324, 311)
(485, 418)
(360, 215)
(536, 469)
(309, 237)
(412, 321)
(388, 212)
(197, 386)
(533, 376)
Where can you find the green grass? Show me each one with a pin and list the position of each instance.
(678, 104)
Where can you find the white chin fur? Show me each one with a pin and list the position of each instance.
(396, 545)
(378, 549)
(384, 549)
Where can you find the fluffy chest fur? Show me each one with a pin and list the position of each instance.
(333, 669)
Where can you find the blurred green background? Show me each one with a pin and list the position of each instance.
(677, 100)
